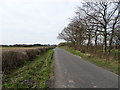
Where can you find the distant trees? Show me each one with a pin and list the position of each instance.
(96, 23)
(74, 33)
(26, 45)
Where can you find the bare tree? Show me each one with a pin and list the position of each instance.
(98, 21)
(100, 12)
(115, 20)
(74, 33)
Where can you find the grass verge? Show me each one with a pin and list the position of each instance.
(35, 74)
(110, 65)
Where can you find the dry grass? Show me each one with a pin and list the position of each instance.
(14, 57)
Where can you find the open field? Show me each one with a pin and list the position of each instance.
(20, 48)
(13, 57)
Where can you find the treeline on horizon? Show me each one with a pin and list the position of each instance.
(27, 45)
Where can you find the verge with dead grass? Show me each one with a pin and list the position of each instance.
(36, 74)
(111, 65)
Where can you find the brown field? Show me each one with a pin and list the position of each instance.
(12, 57)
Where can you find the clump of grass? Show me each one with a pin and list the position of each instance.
(36, 74)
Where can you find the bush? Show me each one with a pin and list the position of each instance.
(32, 53)
(83, 51)
(12, 59)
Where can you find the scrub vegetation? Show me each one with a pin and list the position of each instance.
(33, 74)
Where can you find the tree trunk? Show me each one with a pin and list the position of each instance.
(110, 42)
(105, 40)
(96, 37)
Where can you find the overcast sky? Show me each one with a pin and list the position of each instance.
(34, 21)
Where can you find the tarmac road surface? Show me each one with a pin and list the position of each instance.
(73, 72)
